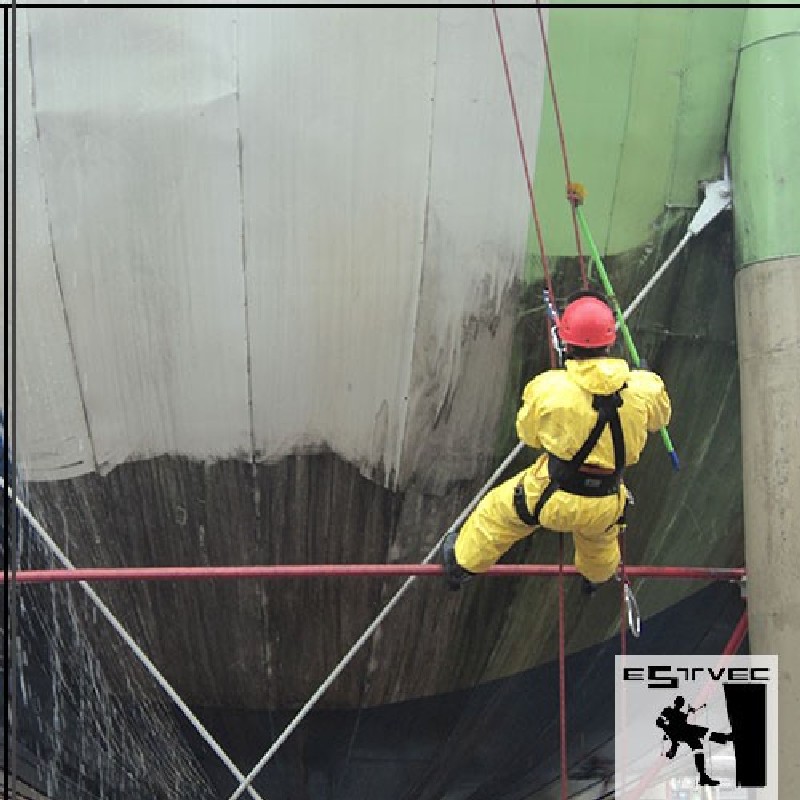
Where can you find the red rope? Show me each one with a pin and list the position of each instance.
(623, 647)
(623, 609)
(528, 182)
(562, 670)
(288, 571)
(563, 143)
(521, 143)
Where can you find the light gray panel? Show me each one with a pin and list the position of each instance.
(476, 231)
(137, 113)
(51, 429)
(336, 115)
(380, 200)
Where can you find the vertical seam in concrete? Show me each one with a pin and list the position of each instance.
(243, 242)
(403, 424)
(256, 493)
(51, 241)
(631, 83)
(770, 38)
(350, 745)
(734, 81)
(680, 105)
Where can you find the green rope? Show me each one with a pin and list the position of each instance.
(623, 326)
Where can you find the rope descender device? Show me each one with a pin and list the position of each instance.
(631, 603)
(552, 315)
(576, 193)
(632, 607)
(621, 325)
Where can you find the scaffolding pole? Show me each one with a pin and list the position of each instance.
(288, 571)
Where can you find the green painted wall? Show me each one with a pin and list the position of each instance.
(765, 137)
(644, 96)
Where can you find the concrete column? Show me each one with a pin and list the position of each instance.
(765, 168)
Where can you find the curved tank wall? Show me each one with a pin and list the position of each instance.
(277, 302)
(253, 234)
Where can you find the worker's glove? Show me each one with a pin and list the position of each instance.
(454, 573)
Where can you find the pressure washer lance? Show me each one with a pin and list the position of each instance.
(576, 194)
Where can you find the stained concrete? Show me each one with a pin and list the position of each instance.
(256, 644)
(767, 300)
(196, 392)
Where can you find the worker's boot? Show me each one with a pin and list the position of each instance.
(454, 574)
(700, 763)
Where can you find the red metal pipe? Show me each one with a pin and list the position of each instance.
(737, 637)
(273, 571)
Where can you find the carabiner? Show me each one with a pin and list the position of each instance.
(634, 617)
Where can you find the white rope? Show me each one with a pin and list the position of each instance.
(312, 701)
(246, 782)
(717, 199)
(658, 273)
(128, 639)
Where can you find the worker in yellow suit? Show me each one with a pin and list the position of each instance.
(591, 419)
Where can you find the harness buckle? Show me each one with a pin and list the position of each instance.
(521, 506)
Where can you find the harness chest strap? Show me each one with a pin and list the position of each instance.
(566, 475)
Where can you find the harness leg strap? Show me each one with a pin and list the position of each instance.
(521, 503)
(521, 506)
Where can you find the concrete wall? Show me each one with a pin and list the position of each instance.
(253, 232)
(765, 154)
(262, 235)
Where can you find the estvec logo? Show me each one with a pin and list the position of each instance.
(696, 726)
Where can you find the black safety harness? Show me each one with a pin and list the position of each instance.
(569, 476)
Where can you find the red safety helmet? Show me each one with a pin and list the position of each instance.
(588, 321)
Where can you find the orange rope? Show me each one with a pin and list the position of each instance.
(521, 143)
(623, 615)
(528, 181)
(563, 143)
(553, 363)
(562, 670)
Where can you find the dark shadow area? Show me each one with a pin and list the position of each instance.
(498, 741)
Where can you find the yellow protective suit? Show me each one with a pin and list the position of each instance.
(557, 416)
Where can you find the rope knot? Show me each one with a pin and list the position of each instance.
(576, 193)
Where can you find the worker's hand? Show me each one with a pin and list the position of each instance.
(454, 574)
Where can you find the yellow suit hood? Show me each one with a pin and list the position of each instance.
(557, 413)
(599, 375)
